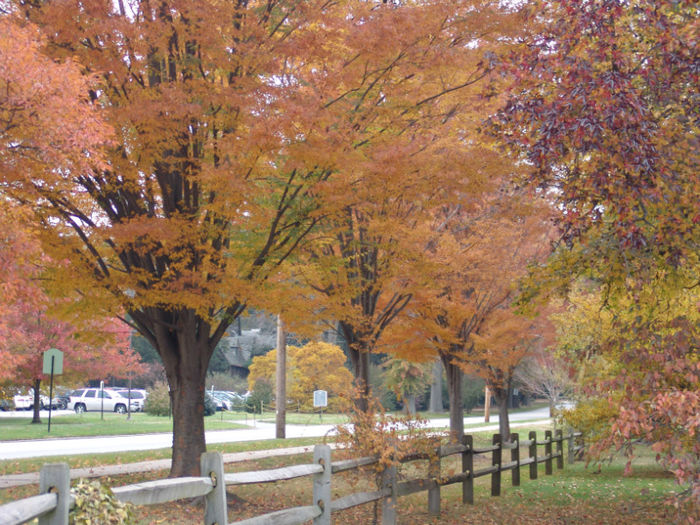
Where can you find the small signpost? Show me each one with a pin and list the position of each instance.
(53, 364)
(320, 401)
(102, 400)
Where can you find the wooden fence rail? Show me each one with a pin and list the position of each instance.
(53, 504)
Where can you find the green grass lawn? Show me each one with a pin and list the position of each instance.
(91, 424)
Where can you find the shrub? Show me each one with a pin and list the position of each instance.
(261, 394)
(95, 503)
(158, 400)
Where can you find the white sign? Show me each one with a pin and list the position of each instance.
(320, 398)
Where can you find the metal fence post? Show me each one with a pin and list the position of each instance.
(496, 461)
(548, 452)
(560, 448)
(389, 501)
(434, 493)
(322, 484)
(515, 456)
(212, 465)
(55, 478)
(468, 466)
(533, 454)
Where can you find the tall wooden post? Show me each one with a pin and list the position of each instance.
(548, 452)
(533, 454)
(281, 395)
(434, 493)
(487, 404)
(389, 515)
(215, 511)
(560, 448)
(55, 477)
(468, 466)
(515, 456)
(322, 484)
(496, 462)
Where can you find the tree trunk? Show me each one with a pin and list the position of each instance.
(411, 405)
(186, 351)
(360, 369)
(36, 418)
(454, 388)
(436, 387)
(500, 396)
(281, 394)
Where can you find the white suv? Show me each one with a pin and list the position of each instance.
(90, 399)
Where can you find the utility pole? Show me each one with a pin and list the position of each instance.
(487, 404)
(281, 396)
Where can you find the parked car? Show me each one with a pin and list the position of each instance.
(209, 404)
(91, 399)
(237, 401)
(137, 396)
(26, 402)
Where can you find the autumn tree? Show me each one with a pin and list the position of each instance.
(602, 108)
(235, 129)
(478, 251)
(501, 343)
(30, 323)
(314, 366)
(420, 130)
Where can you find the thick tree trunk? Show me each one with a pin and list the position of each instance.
(186, 351)
(188, 426)
(436, 388)
(360, 369)
(500, 396)
(36, 418)
(454, 389)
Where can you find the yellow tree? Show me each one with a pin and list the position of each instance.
(314, 366)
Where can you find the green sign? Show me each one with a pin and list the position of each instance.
(57, 357)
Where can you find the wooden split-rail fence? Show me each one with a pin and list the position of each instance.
(53, 504)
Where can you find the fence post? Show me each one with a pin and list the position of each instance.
(434, 493)
(215, 511)
(533, 454)
(322, 484)
(560, 448)
(55, 478)
(570, 439)
(548, 452)
(468, 466)
(582, 445)
(515, 456)
(496, 461)
(389, 501)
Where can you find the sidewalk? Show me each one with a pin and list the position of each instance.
(15, 480)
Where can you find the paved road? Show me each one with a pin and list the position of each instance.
(261, 431)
